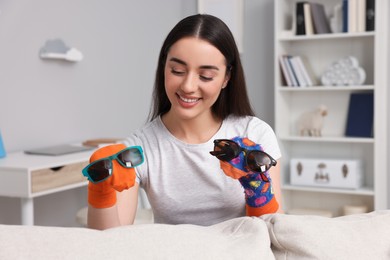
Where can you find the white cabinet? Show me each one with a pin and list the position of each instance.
(319, 51)
(30, 176)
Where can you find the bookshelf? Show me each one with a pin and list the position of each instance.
(320, 51)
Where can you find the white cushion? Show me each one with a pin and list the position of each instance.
(363, 236)
(241, 238)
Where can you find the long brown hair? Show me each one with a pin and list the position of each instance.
(233, 99)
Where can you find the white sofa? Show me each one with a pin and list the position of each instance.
(277, 236)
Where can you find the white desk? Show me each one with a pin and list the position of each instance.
(29, 176)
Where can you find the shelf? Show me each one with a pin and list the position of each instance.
(293, 104)
(288, 36)
(336, 139)
(326, 88)
(365, 191)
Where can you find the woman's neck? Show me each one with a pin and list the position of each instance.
(193, 131)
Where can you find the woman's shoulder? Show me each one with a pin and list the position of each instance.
(246, 121)
(148, 130)
(149, 127)
(256, 130)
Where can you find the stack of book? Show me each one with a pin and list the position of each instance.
(357, 16)
(311, 19)
(294, 71)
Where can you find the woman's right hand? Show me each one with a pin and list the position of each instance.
(103, 194)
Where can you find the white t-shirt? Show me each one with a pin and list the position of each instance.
(184, 182)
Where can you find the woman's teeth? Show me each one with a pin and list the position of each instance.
(189, 100)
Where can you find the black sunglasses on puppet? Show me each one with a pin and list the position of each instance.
(101, 169)
(111, 169)
(244, 156)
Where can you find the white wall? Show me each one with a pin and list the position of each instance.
(107, 94)
(258, 56)
(388, 98)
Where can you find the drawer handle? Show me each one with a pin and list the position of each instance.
(56, 169)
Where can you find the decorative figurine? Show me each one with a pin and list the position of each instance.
(311, 122)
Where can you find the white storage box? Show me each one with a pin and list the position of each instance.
(326, 173)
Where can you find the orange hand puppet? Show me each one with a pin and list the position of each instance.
(111, 169)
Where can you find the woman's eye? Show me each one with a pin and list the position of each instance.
(177, 72)
(204, 78)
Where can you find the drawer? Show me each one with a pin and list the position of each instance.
(326, 173)
(49, 178)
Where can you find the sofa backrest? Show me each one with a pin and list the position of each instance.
(362, 236)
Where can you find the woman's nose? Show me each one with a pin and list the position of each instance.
(190, 83)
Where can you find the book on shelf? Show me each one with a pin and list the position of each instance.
(360, 116)
(291, 71)
(352, 15)
(294, 71)
(361, 16)
(370, 15)
(300, 19)
(289, 76)
(298, 71)
(309, 30)
(345, 15)
(320, 21)
(305, 71)
(285, 74)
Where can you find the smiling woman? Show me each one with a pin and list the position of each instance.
(199, 95)
(195, 74)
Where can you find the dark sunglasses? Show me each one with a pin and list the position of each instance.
(101, 169)
(256, 160)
